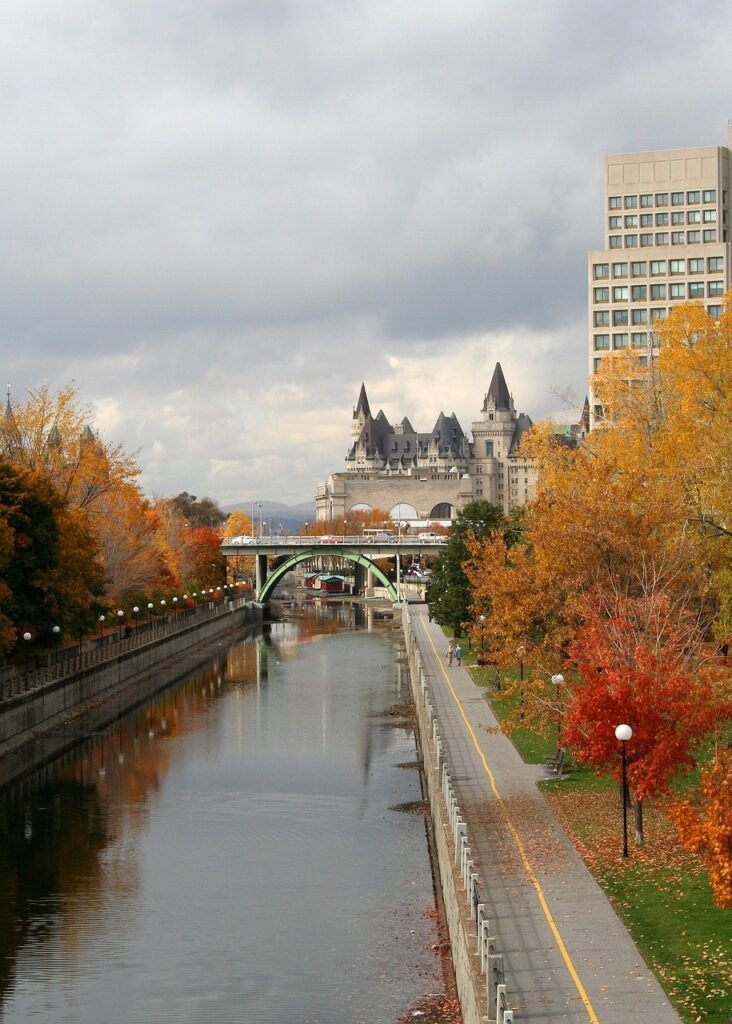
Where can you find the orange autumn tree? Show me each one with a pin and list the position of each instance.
(706, 829)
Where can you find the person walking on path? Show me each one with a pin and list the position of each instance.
(459, 655)
(449, 653)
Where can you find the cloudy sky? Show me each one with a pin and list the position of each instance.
(219, 217)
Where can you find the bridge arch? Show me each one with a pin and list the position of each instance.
(303, 556)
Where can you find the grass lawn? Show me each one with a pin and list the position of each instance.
(660, 891)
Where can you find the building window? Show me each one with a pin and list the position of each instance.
(631, 202)
(677, 291)
(640, 316)
(602, 341)
(646, 220)
(620, 341)
(696, 266)
(677, 267)
(639, 292)
(601, 294)
(600, 270)
(616, 241)
(677, 198)
(696, 289)
(661, 220)
(614, 223)
(658, 314)
(710, 216)
(693, 217)
(615, 202)
(715, 311)
(631, 241)
(646, 240)
(692, 237)
(677, 238)
(710, 195)
(693, 197)
(620, 293)
(639, 339)
(658, 291)
(601, 317)
(662, 238)
(658, 267)
(715, 288)
(710, 235)
(489, 449)
(677, 217)
(596, 364)
(661, 198)
(620, 317)
(639, 269)
(715, 264)
(631, 220)
(620, 269)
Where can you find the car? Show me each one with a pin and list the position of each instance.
(327, 539)
(240, 540)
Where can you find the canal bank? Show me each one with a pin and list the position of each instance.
(86, 693)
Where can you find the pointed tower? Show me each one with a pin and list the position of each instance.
(11, 443)
(361, 414)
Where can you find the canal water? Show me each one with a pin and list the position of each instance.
(243, 848)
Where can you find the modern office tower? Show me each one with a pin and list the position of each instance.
(667, 240)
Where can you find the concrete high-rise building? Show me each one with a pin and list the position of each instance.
(667, 240)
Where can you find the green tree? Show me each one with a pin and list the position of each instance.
(198, 512)
(450, 598)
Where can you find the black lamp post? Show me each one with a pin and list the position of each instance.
(101, 630)
(27, 637)
(136, 613)
(56, 630)
(623, 733)
(150, 607)
(120, 617)
(482, 638)
(558, 679)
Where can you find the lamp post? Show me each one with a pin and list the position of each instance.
(558, 679)
(623, 733)
(259, 506)
(521, 650)
(175, 609)
(162, 606)
(252, 520)
(120, 617)
(27, 638)
(56, 630)
(482, 638)
(136, 613)
(101, 630)
(150, 607)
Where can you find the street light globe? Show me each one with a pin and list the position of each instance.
(56, 630)
(135, 609)
(163, 602)
(102, 618)
(120, 614)
(558, 679)
(26, 636)
(623, 733)
(150, 605)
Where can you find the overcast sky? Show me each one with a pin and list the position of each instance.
(219, 217)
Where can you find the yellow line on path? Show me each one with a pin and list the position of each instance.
(517, 839)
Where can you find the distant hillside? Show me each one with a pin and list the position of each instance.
(289, 518)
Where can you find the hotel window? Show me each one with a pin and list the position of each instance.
(658, 291)
(620, 269)
(646, 240)
(639, 339)
(658, 267)
(677, 291)
(602, 341)
(620, 341)
(620, 317)
(661, 198)
(646, 200)
(631, 202)
(616, 241)
(677, 238)
(696, 289)
(693, 197)
(662, 238)
(715, 264)
(661, 220)
(643, 360)
(640, 316)
(710, 195)
(693, 236)
(693, 217)
(677, 198)
(601, 294)
(715, 311)
(639, 269)
(658, 314)
(614, 223)
(631, 241)
(631, 220)
(677, 267)
(710, 216)
(615, 202)
(715, 288)
(646, 220)
(677, 217)
(639, 292)
(696, 266)
(620, 293)
(596, 363)
(710, 235)
(601, 317)
(600, 270)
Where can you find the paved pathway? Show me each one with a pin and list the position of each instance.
(567, 956)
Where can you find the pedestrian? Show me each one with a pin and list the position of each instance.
(458, 655)
(449, 654)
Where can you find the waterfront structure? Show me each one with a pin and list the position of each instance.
(667, 224)
(428, 477)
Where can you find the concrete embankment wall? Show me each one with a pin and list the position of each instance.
(42, 722)
(466, 959)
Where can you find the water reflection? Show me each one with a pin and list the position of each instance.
(228, 852)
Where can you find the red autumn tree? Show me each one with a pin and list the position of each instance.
(707, 829)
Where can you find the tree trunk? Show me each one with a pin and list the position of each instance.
(638, 815)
